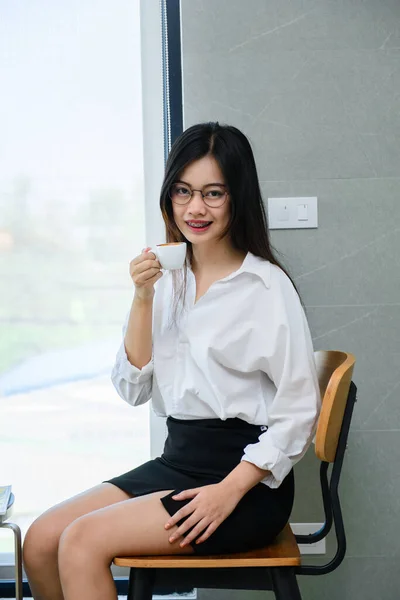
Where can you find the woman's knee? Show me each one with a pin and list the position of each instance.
(80, 546)
(41, 541)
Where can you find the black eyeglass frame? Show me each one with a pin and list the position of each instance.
(222, 185)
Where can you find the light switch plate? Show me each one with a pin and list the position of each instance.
(293, 213)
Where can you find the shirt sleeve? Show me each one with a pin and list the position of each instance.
(132, 384)
(287, 358)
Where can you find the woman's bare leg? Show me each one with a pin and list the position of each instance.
(42, 539)
(88, 546)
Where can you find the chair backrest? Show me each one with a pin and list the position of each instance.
(335, 370)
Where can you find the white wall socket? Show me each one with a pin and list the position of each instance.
(293, 213)
(305, 529)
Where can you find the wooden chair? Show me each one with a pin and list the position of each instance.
(274, 567)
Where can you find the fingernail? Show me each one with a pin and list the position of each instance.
(167, 526)
(171, 539)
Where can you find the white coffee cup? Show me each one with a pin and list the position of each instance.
(170, 256)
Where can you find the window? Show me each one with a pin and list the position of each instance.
(72, 213)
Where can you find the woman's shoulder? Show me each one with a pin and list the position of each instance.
(273, 277)
(277, 300)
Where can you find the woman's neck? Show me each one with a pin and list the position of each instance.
(216, 257)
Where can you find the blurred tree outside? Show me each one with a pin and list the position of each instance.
(65, 279)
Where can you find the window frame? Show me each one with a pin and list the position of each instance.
(172, 124)
(162, 122)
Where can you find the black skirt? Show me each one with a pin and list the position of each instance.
(203, 452)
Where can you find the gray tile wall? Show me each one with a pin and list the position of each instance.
(315, 84)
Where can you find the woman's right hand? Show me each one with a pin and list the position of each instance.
(145, 270)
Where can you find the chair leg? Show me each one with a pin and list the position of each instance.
(285, 583)
(130, 584)
(17, 557)
(141, 583)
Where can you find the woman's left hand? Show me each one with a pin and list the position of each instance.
(210, 506)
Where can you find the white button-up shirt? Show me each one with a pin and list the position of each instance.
(242, 350)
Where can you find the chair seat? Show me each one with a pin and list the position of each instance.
(283, 552)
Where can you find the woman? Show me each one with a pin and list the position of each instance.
(225, 353)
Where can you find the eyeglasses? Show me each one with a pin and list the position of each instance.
(213, 195)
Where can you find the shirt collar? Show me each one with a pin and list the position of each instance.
(256, 266)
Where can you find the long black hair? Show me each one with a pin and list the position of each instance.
(248, 225)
